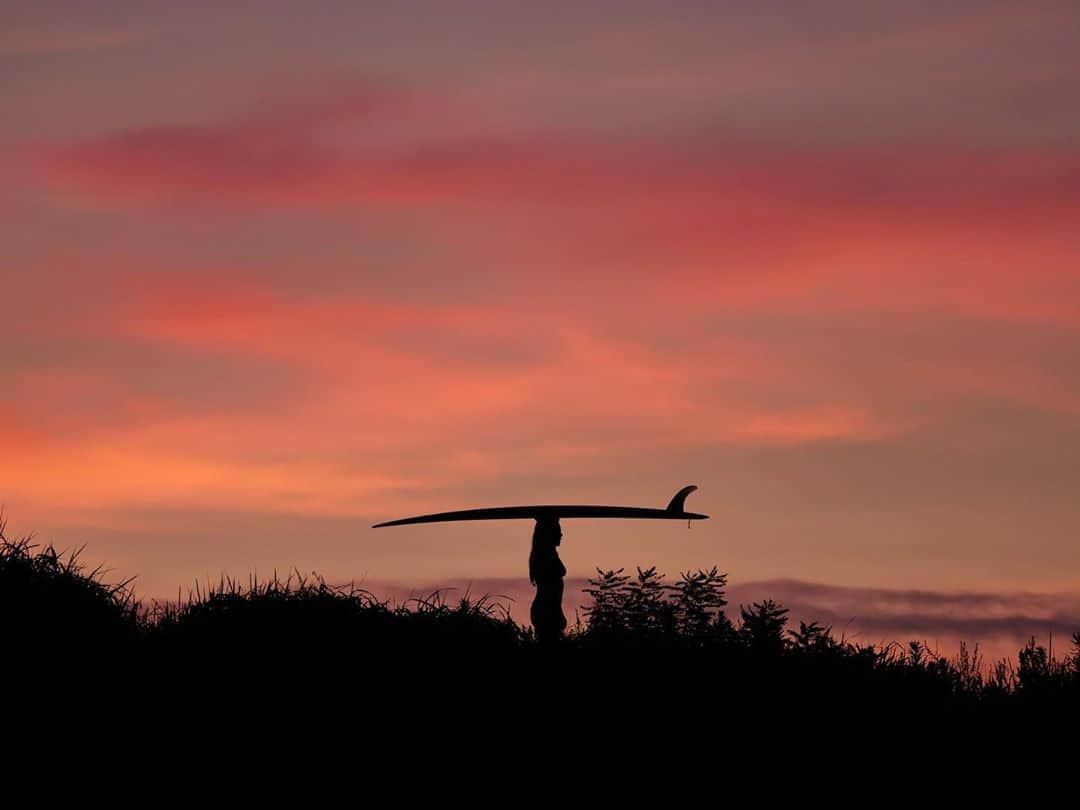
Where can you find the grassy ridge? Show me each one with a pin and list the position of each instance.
(675, 635)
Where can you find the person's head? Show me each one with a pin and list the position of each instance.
(547, 534)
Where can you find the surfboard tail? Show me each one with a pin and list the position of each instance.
(678, 503)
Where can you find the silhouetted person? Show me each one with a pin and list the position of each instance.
(546, 572)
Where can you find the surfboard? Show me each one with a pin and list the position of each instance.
(676, 510)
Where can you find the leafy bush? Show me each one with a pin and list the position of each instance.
(645, 611)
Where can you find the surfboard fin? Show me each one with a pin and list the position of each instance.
(678, 503)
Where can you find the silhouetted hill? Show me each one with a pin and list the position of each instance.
(640, 635)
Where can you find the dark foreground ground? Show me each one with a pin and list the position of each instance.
(646, 648)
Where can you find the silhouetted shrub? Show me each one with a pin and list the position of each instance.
(644, 611)
(697, 601)
(763, 626)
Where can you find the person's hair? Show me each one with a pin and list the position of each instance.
(543, 544)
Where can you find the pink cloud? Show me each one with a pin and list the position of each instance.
(898, 228)
(296, 153)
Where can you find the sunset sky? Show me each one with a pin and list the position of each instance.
(275, 271)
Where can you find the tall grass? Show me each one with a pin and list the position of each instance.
(51, 602)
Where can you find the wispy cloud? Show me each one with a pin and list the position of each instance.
(335, 150)
(871, 615)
